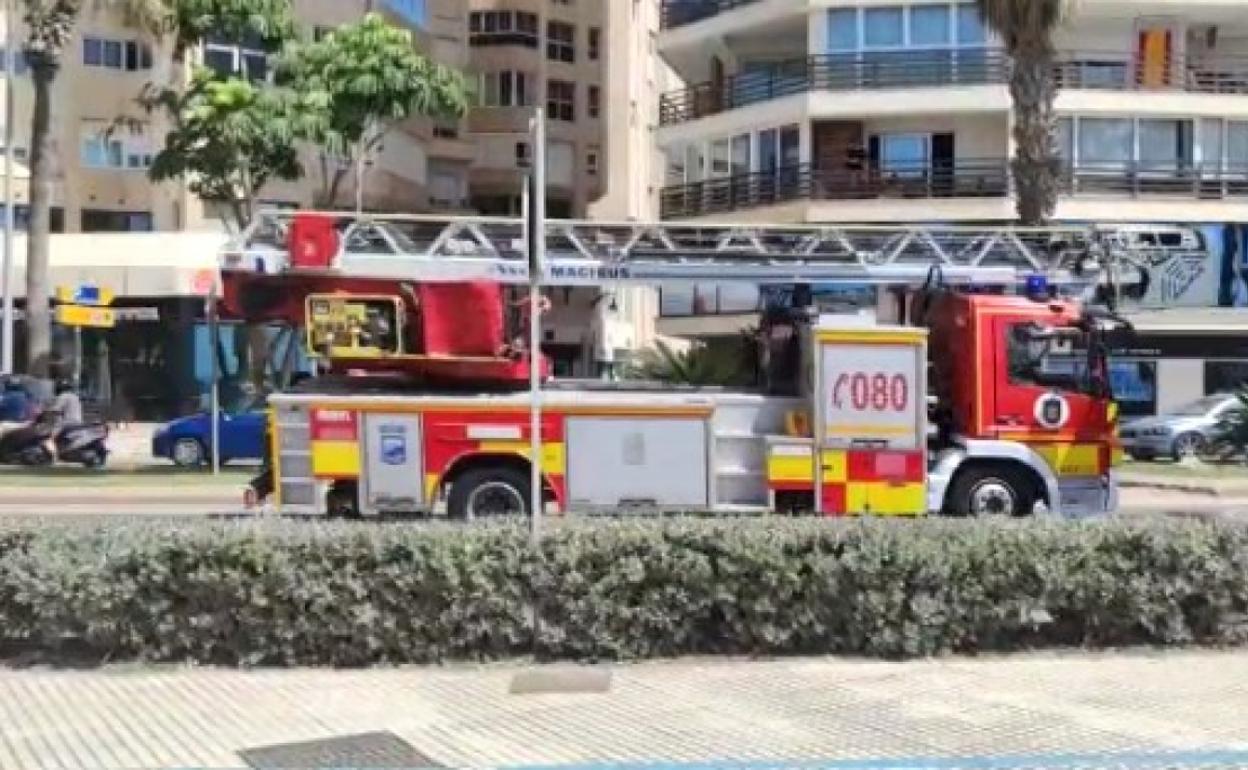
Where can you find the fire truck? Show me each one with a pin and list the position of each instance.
(980, 386)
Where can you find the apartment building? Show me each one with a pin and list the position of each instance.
(101, 165)
(888, 112)
(530, 52)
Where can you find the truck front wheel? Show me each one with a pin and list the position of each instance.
(489, 492)
(992, 491)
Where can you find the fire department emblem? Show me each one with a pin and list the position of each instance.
(1052, 411)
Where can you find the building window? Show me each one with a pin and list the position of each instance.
(105, 221)
(120, 149)
(445, 129)
(319, 33)
(595, 43)
(593, 102)
(561, 100)
(1112, 144)
(502, 28)
(591, 161)
(246, 59)
(123, 55)
(21, 65)
(523, 157)
(892, 27)
(905, 154)
(506, 89)
(560, 42)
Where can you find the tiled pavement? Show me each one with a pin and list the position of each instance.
(1122, 710)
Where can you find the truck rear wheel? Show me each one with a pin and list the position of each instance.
(992, 491)
(483, 493)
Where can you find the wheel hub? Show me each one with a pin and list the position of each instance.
(992, 497)
(495, 499)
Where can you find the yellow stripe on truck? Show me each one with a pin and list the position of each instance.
(335, 459)
(794, 466)
(1071, 459)
(886, 498)
(554, 460)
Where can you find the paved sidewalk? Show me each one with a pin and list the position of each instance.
(1123, 710)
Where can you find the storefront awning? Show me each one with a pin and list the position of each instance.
(128, 264)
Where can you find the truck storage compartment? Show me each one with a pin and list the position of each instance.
(637, 461)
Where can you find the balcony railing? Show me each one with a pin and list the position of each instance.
(677, 13)
(948, 67)
(959, 179)
(835, 72)
(1221, 74)
(1138, 180)
(978, 178)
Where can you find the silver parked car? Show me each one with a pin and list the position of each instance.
(1180, 433)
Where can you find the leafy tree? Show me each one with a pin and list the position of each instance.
(1027, 28)
(353, 86)
(1230, 435)
(229, 138)
(268, 24)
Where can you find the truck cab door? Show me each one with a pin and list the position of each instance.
(1039, 398)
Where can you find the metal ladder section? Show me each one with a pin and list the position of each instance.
(590, 253)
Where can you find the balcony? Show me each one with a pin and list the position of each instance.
(963, 179)
(677, 13)
(953, 67)
(960, 179)
(1203, 74)
(835, 72)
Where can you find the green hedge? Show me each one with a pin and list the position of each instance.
(301, 593)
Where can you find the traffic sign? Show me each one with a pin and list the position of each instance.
(84, 294)
(85, 315)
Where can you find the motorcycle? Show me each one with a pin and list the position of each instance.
(28, 444)
(83, 443)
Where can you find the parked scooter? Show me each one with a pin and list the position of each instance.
(83, 443)
(28, 444)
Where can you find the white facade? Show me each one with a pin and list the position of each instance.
(900, 112)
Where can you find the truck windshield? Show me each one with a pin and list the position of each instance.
(1047, 357)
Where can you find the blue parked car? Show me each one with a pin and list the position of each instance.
(187, 440)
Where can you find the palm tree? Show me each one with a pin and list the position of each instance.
(1026, 27)
(49, 29)
(700, 364)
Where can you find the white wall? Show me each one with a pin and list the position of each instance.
(1179, 381)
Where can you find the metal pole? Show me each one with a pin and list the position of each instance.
(7, 338)
(214, 399)
(537, 255)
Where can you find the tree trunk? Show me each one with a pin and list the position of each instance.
(1036, 164)
(38, 310)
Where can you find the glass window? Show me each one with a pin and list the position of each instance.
(790, 146)
(768, 152)
(929, 25)
(741, 154)
(694, 163)
(1165, 144)
(595, 43)
(970, 26)
(219, 60)
(1211, 143)
(116, 154)
(676, 166)
(1066, 138)
(882, 28)
(1237, 147)
(594, 105)
(720, 158)
(112, 54)
(1105, 142)
(843, 29)
(905, 154)
(561, 100)
(93, 152)
(560, 45)
(92, 51)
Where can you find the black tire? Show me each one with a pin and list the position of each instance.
(977, 488)
(342, 501)
(510, 487)
(1186, 445)
(192, 453)
(1142, 457)
(38, 457)
(93, 458)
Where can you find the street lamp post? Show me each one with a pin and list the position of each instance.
(7, 279)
